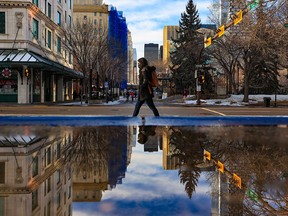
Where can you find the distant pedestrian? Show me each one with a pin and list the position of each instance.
(145, 91)
(132, 95)
(127, 96)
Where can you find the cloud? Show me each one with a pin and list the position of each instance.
(146, 19)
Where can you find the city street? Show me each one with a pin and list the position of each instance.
(126, 109)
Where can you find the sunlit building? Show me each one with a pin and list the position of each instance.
(34, 66)
(169, 33)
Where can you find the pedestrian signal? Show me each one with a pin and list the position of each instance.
(220, 31)
(207, 42)
(26, 72)
(237, 17)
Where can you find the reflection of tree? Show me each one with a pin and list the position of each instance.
(187, 152)
(92, 149)
(87, 151)
(259, 156)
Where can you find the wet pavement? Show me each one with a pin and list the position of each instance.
(221, 166)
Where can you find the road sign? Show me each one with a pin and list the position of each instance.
(286, 25)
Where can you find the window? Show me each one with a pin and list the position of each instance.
(2, 173)
(59, 1)
(2, 22)
(70, 58)
(49, 39)
(69, 4)
(58, 18)
(49, 10)
(58, 201)
(35, 28)
(58, 150)
(58, 44)
(35, 166)
(35, 2)
(48, 156)
(65, 18)
(58, 176)
(69, 21)
(45, 7)
(34, 199)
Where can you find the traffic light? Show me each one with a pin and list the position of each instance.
(220, 31)
(220, 166)
(26, 72)
(237, 17)
(201, 79)
(207, 42)
(253, 4)
(207, 155)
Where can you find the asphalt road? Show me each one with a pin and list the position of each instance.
(126, 109)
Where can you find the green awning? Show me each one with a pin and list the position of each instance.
(15, 58)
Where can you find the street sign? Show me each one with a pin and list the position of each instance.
(286, 25)
(106, 84)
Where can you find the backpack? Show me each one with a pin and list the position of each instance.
(154, 79)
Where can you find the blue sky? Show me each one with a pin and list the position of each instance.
(147, 189)
(146, 18)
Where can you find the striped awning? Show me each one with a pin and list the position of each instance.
(15, 57)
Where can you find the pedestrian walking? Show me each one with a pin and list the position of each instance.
(145, 91)
(132, 95)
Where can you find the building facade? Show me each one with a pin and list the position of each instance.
(151, 52)
(33, 64)
(110, 21)
(169, 33)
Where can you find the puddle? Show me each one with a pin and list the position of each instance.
(143, 170)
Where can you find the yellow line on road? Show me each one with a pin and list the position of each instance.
(213, 111)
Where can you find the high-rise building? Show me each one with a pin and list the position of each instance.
(169, 33)
(35, 66)
(151, 52)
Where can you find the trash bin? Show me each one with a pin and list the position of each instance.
(267, 101)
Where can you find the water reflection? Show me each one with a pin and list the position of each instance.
(143, 170)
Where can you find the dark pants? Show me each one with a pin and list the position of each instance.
(149, 102)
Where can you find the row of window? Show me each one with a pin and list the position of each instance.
(36, 2)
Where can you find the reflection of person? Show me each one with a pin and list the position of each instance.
(145, 91)
(145, 132)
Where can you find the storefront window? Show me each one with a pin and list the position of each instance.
(8, 85)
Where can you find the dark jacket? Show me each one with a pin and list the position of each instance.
(145, 89)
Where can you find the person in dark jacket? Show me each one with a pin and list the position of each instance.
(145, 91)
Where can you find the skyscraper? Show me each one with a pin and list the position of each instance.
(169, 33)
(151, 52)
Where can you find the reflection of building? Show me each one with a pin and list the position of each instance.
(109, 159)
(34, 67)
(33, 178)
